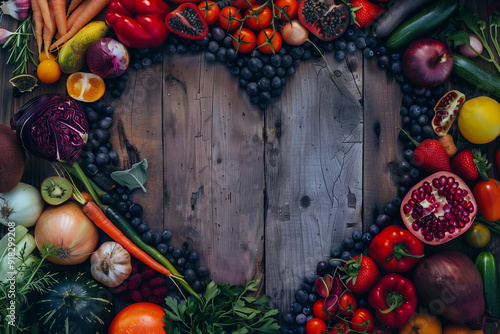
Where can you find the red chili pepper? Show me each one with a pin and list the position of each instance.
(394, 299)
(395, 249)
(138, 23)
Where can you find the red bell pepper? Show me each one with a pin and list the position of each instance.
(395, 249)
(187, 21)
(394, 299)
(139, 23)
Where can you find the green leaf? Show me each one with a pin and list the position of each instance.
(134, 177)
(459, 38)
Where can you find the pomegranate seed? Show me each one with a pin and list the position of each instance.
(412, 202)
(406, 209)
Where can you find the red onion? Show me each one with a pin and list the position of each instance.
(427, 62)
(451, 285)
(52, 127)
(467, 51)
(107, 58)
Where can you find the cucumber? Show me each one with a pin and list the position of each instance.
(487, 265)
(425, 21)
(476, 75)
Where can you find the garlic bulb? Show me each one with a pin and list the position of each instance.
(110, 264)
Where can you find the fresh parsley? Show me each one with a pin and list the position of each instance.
(225, 309)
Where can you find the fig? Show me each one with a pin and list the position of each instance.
(324, 18)
(439, 208)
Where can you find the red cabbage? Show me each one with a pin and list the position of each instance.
(52, 127)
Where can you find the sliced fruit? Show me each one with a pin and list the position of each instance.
(324, 19)
(24, 82)
(86, 87)
(439, 208)
(446, 111)
(56, 190)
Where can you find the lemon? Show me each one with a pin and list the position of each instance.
(24, 82)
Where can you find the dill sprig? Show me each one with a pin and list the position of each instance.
(20, 53)
(36, 279)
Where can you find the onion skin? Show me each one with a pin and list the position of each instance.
(108, 58)
(451, 285)
(294, 33)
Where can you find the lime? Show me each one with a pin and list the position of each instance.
(24, 82)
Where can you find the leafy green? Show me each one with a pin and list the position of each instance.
(225, 309)
(20, 53)
(37, 279)
(478, 26)
(134, 177)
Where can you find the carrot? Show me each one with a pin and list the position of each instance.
(44, 7)
(448, 144)
(49, 29)
(72, 6)
(95, 214)
(76, 13)
(59, 9)
(38, 19)
(91, 10)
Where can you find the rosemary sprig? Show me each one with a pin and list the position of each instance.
(20, 53)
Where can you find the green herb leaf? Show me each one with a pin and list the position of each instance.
(134, 177)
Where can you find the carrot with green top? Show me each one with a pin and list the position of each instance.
(95, 214)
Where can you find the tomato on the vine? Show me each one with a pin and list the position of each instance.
(315, 326)
(230, 18)
(243, 4)
(339, 328)
(319, 309)
(477, 236)
(210, 11)
(289, 6)
(258, 19)
(487, 195)
(347, 303)
(362, 320)
(270, 44)
(244, 40)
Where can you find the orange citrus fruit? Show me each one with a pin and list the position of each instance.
(460, 329)
(422, 323)
(43, 56)
(48, 71)
(86, 87)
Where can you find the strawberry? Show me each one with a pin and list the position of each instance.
(469, 164)
(365, 12)
(361, 274)
(431, 156)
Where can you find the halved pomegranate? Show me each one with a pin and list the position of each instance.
(324, 18)
(439, 208)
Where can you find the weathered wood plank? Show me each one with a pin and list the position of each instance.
(313, 173)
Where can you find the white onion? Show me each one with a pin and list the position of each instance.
(21, 205)
(466, 51)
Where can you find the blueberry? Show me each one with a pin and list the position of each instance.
(177, 253)
(427, 131)
(242, 83)
(264, 84)
(307, 310)
(92, 115)
(367, 237)
(408, 154)
(356, 235)
(157, 238)
(136, 221)
(301, 296)
(351, 47)
(286, 61)
(358, 245)
(89, 157)
(235, 70)
(146, 62)
(252, 89)
(101, 159)
(402, 190)
(181, 262)
(210, 57)
(276, 91)
(374, 229)
(202, 271)
(255, 64)
(360, 42)
(264, 97)
(289, 72)
(276, 60)
(296, 307)
(170, 49)
(345, 255)
(301, 319)
(136, 65)
(339, 55)
(305, 286)
(221, 54)
(368, 53)
(135, 210)
(157, 58)
(383, 61)
(106, 123)
(423, 119)
(415, 129)
(340, 44)
(109, 110)
(397, 201)
(312, 298)
(218, 34)
(414, 111)
(335, 251)
(407, 100)
(276, 82)
(347, 243)
(269, 71)
(92, 169)
(415, 173)
(108, 199)
(194, 256)
(404, 167)
(396, 67)
(162, 248)
(288, 318)
(213, 47)
(143, 227)
(310, 277)
(246, 73)
(351, 34)
(334, 263)
(380, 51)
(103, 149)
(406, 88)
(148, 237)
(297, 52)
(390, 209)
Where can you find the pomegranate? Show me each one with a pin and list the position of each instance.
(439, 208)
(446, 110)
(324, 18)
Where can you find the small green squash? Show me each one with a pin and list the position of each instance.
(76, 304)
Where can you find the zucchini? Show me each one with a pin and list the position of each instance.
(487, 265)
(475, 74)
(425, 21)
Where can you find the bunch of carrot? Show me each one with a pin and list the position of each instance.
(52, 19)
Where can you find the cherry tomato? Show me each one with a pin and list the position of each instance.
(477, 235)
(315, 326)
(362, 320)
(48, 71)
(230, 18)
(210, 11)
(244, 40)
(243, 4)
(273, 39)
(146, 316)
(319, 310)
(339, 328)
(289, 6)
(487, 195)
(347, 303)
(258, 19)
